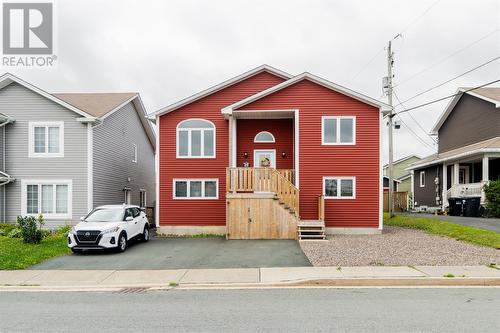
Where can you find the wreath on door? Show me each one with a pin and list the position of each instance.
(265, 162)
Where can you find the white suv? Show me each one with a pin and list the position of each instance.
(109, 227)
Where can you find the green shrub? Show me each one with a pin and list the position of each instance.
(31, 228)
(15, 233)
(63, 230)
(492, 192)
(6, 228)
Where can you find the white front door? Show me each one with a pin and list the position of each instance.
(264, 158)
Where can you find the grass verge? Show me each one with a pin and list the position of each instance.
(459, 232)
(15, 254)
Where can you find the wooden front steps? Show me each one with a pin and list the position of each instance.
(311, 230)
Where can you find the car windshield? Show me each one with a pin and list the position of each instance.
(105, 215)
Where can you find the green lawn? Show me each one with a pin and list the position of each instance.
(457, 231)
(14, 254)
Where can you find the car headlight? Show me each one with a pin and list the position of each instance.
(109, 231)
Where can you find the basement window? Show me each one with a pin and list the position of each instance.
(339, 187)
(196, 189)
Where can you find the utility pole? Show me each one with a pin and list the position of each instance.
(390, 61)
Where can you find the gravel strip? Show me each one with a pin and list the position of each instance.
(396, 246)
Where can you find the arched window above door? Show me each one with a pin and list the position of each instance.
(263, 137)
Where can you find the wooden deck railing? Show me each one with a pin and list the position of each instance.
(321, 208)
(264, 180)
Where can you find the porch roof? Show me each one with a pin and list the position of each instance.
(487, 146)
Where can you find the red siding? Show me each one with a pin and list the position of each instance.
(282, 129)
(316, 161)
(201, 212)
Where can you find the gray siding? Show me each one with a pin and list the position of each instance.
(426, 196)
(472, 120)
(2, 188)
(25, 105)
(113, 154)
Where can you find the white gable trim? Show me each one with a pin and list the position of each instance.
(220, 86)
(316, 79)
(453, 102)
(8, 78)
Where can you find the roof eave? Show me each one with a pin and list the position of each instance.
(220, 86)
(384, 108)
(8, 78)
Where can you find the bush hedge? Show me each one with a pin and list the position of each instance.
(492, 193)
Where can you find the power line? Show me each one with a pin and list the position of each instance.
(447, 81)
(415, 120)
(411, 77)
(446, 97)
(363, 68)
(415, 134)
(366, 65)
(419, 17)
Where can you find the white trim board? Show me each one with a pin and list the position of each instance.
(220, 86)
(453, 102)
(313, 78)
(8, 78)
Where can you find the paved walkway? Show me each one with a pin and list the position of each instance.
(255, 276)
(177, 253)
(477, 222)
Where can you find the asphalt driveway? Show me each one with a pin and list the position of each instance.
(476, 222)
(175, 253)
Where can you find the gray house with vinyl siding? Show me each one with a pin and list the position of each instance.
(63, 154)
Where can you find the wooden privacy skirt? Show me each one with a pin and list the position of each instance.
(258, 216)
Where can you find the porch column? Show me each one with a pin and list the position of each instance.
(444, 184)
(486, 169)
(232, 142)
(456, 174)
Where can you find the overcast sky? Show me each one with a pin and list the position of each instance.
(167, 50)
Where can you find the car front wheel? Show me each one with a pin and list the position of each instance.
(122, 243)
(145, 233)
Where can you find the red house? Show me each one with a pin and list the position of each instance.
(270, 155)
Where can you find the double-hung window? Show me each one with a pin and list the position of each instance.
(339, 187)
(52, 198)
(422, 178)
(196, 139)
(196, 189)
(338, 130)
(46, 139)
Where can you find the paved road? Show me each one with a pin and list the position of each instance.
(477, 222)
(175, 253)
(286, 310)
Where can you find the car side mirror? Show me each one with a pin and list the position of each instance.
(82, 218)
(129, 218)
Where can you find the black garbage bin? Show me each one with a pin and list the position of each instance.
(455, 206)
(471, 206)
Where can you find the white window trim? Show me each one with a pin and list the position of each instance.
(264, 132)
(422, 178)
(39, 182)
(202, 129)
(127, 196)
(338, 143)
(31, 133)
(203, 180)
(339, 197)
(135, 152)
(145, 198)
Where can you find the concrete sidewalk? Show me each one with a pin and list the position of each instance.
(250, 277)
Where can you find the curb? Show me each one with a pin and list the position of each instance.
(312, 283)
